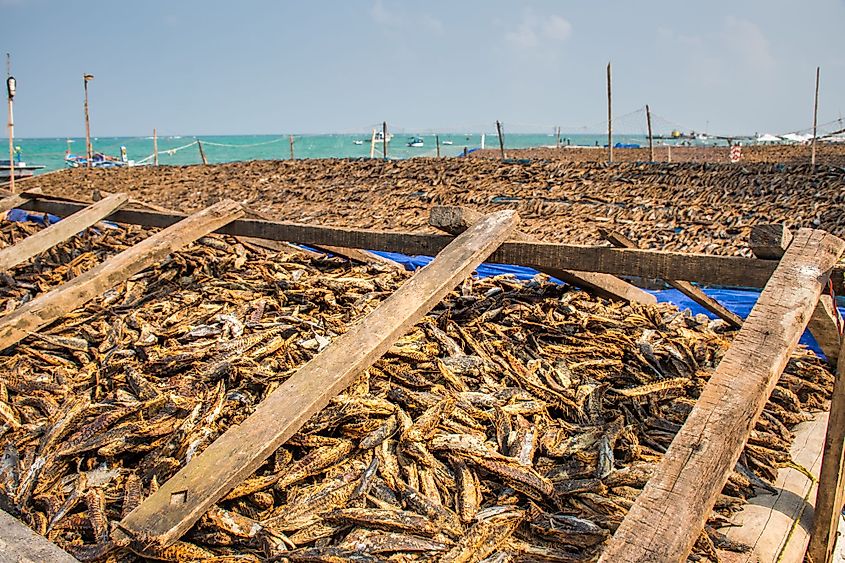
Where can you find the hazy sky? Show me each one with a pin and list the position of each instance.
(272, 66)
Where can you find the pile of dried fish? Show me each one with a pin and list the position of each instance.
(516, 421)
(676, 206)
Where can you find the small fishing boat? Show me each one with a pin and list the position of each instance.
(21, 170)
(448, 143)
(416, 142)
(378, 137)
(358, 142)
(98, 160)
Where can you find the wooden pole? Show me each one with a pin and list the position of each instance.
(89, 150)
(373, 144)
(170, 511)
(10, 94)
(290, 141)
(669, 153)
(815, 118)
(501, 139)
(650, 138)
(384, 140)
(202, 152)
(437, 143)
(558, 136)
(155, 147)
(609, 119)
(829, 494)
(669, 514)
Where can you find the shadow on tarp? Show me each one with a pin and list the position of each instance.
(739, 301)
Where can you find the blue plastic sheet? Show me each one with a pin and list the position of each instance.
(21, 216)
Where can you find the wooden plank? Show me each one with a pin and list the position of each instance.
(165, 515)
(53, 305)
(669, 514)
(777, 526)
(455, 219)
(696, 294)
(47, 238)
(825, 322)
(19, 544)
(730, 271)
(829, 499)
(15, 200)
(769, 241)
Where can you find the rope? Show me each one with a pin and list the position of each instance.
(168, 151)
(213, 144)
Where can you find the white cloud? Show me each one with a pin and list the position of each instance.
(382, 15)
(432, 24)
(748, 43)
(532, 31)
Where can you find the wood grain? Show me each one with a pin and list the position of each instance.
(669, 514)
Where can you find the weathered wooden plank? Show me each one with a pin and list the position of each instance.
(829, 497)
(53, 305)
(15, 200)
(45, 239)
(669, 514)
(769, 241)
(825, 322)
(718, 270)
(696, 294)
(455, 219)
(168, 513)
(19, 544)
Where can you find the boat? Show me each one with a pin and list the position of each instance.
(447, 143)
(378, 137)
(416, 142)
(21, 170)
(358, 142)
(98, 160)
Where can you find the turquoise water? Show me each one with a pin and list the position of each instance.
(183, 149)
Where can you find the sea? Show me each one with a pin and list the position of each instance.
(183, 150)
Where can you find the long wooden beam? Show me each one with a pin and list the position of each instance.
(54, 304)
(670, 513)
(695, 293)
(15, 200)
(47, 238)
(732, 271)
(456, 219)
(19, 544)
(168, 513)
(771, 241)
(829, 495)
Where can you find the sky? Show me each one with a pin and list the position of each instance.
(193, 67)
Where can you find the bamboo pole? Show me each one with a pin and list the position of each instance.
(89, 151)
(202, 152)
(290, 141)
(609, 120)
(10, 85)
(669, 152)
(373, 144)
(815, 119)
(384, 140)
(650, 138)
(155, 147)
(437, 143)
(558, 136)
(501, 139)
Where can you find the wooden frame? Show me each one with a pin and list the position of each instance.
(706, 446)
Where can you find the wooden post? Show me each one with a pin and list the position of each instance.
(15, 200)
(670, 513)
(829, 493)
(10, 86)
(501, 139)
(202, 152)
(155, 147)
(54, 304)
(558, 137)
(695, 293)
(290, 142)
(45, 239)
(21, 544)
(89, 150)
(815, 118)
(384, 141)
(465, 152)
(650, 138)
(169, 512)
(437, 143)
(769, 242)
(373, 144)
(455, 220)
(609, 119)
(669, 153)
